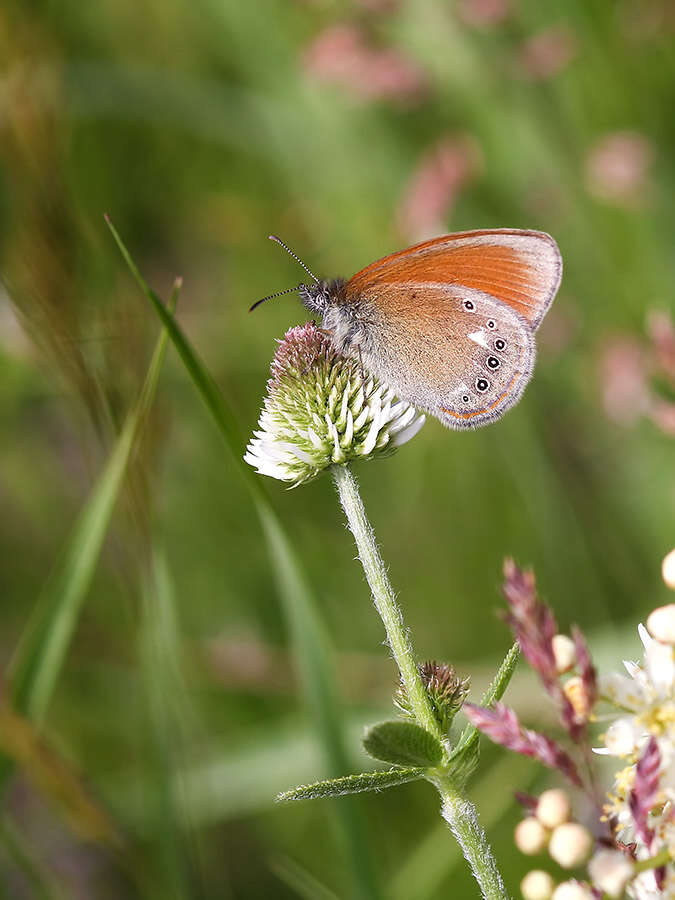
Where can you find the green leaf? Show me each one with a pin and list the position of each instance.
(352, 784)
(501, 680)
(402, 743)
(464, 757)
(39, 657)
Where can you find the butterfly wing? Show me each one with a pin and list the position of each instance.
(453, 320)
(520, 268)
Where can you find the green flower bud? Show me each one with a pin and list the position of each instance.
(446, 690)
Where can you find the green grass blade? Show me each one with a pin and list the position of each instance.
(168, 720)
(207, 388)
(39, 657)
(310, 642)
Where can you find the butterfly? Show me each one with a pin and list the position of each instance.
(449, 324)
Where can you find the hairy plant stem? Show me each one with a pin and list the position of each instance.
(461, 816)
(458, 812)
(385, 599)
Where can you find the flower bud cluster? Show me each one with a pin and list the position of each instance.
(549, 827)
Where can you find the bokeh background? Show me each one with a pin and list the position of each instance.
(351, 130)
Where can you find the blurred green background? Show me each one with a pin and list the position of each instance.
(351, 130)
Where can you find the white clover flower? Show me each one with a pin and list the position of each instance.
(321, 409)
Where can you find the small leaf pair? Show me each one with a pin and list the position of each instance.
(413, 750)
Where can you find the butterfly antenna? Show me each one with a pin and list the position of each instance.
(295, 256)
(270, 296)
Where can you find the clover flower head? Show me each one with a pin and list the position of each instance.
(322, 409)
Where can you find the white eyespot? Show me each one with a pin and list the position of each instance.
(469, 305)
(493, 362)
(465, 398)
(482, 384)
(491, 323)
(500, 344)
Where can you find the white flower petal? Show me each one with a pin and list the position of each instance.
(405, 434)
(623, 692)
(622, 737)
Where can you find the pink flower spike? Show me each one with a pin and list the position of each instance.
(534, 627)
(533, 624)
(643, 796)
(501, 725)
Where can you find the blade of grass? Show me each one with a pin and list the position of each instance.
(39, 656)
(312, 650)
(167, 719)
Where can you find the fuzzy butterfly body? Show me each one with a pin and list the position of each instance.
(449, 323)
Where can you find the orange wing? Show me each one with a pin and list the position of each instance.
(520, 268)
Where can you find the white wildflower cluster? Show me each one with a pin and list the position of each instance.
(641, 805)
(322, 409)
(629, 851)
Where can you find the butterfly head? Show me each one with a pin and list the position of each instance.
(319, 297)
